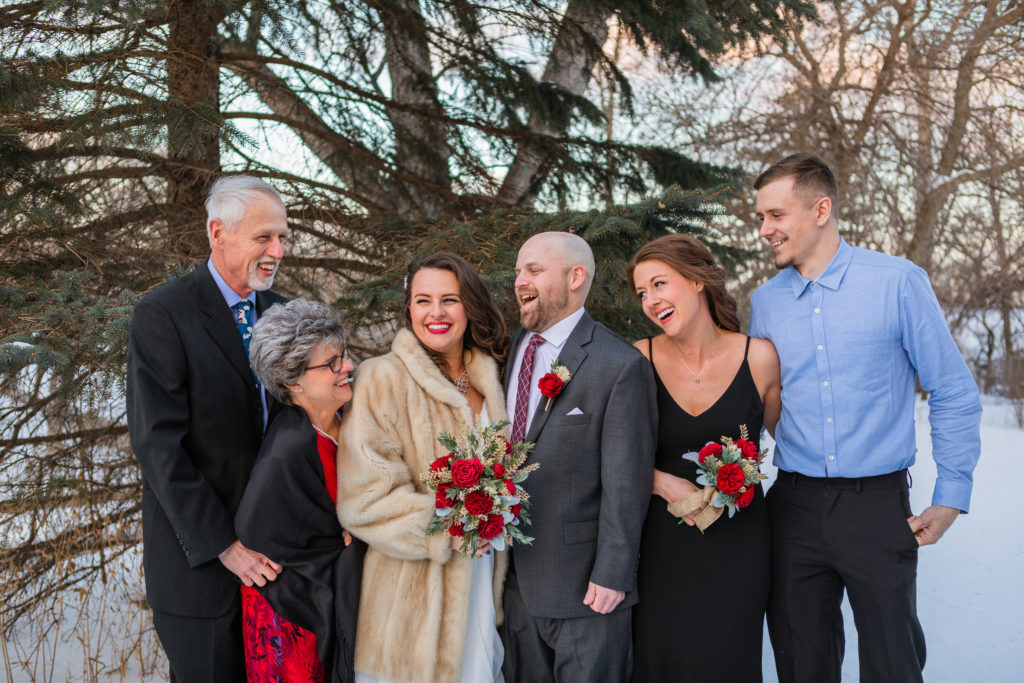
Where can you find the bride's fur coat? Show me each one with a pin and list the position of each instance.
(415, 592)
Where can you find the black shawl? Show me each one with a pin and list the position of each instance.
(287, 514)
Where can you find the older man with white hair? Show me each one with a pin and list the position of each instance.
(568, 595)
(196, 416)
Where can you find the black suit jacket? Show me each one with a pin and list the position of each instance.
(588, 499)
(195, 422)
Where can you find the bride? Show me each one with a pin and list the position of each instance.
(427, 613)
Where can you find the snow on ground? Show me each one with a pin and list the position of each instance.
(970, 588)
(970, 585)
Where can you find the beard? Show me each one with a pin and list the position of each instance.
(547, 310)
(258, 281)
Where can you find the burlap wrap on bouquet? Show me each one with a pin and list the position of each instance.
(695, 501)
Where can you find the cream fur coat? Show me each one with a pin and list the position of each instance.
(415, 594)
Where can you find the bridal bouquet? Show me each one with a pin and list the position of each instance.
(729, 472)
(477, 489)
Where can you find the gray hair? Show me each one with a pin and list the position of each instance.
(231, 195)
(285, 336)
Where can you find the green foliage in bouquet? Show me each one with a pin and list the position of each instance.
(477, 489)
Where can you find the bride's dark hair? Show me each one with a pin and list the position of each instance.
(692, 259)
(485, 327)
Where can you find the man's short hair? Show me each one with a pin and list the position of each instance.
(812, 178)
(231, 195)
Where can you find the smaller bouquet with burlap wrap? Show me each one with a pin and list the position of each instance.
(477, 492)
(729, 472)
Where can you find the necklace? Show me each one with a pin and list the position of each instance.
(325, 434)
(696, 375)
(462, 382)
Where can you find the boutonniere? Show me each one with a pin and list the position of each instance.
(551, 384)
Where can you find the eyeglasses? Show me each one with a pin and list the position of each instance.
(334, 364)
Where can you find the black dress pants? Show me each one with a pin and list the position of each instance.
(203, 650)
(832, 534)
(590, 649)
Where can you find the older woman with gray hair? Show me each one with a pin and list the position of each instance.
(300, 627)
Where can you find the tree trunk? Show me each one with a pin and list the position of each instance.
(570, 66)
(193, 84)
(421, 145)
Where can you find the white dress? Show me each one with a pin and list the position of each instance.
(482, 657)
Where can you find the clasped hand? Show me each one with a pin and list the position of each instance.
(455, 543)
(251, 568)
(672, 489)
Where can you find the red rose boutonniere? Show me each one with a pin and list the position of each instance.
(552, 383)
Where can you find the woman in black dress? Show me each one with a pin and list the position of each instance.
(702, 596)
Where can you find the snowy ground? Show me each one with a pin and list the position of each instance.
(970, 590)
(970, 585)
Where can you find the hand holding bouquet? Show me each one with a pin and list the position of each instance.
(729, 472)
(477, 496)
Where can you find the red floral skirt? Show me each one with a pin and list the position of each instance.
(276, 650)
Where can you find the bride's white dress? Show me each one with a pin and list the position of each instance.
(481, 660)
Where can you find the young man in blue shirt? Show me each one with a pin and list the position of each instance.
(854, 328)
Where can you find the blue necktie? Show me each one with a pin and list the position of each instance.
(243, 320)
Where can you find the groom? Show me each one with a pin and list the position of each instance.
(568, 595)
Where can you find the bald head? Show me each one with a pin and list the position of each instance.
(554, 272)
(571, 251)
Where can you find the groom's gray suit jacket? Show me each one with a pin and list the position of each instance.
(589, 497)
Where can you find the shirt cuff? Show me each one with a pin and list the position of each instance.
(953, 494)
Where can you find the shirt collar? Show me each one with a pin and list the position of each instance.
(560, 331)
(830, 278)
(230, 295)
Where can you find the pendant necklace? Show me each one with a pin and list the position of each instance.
(462, 382)
(696, 375)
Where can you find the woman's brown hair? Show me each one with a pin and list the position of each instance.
(485, 328)
(692, 259)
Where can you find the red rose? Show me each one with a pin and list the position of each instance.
(730, 478)
(443, 497)
(714, 449)
(510, 486)
(457, 530)
(491, 527)
(550, 385)
(478, 503)
(442, 463)
(498, 469)
(516, 509)
(747, 448)
(743, 500)
(508, 447)
(466, 473)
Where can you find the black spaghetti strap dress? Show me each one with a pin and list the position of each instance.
(702, 596)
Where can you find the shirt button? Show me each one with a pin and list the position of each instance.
(828, 419)
(831, 457)
(817, 310)
(820, 347)
(825, 383)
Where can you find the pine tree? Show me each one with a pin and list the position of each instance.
(393, 128)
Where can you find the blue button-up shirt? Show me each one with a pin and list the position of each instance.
(231, 297)
(850, 344)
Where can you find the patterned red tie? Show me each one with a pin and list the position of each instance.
(523, 391)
